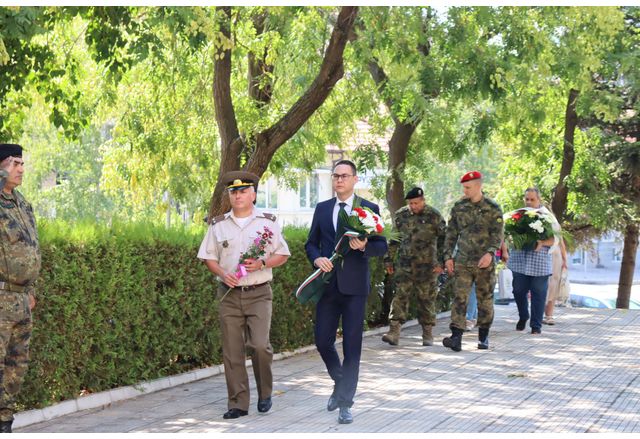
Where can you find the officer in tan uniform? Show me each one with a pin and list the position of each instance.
(244, 292)
(19, 269)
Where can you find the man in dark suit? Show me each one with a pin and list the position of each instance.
(346, 294)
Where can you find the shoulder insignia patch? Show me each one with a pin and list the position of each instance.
(269, 216)
(218, 219)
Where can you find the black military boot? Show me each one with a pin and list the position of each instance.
(455, 341)
(5, 426)
(483, 338)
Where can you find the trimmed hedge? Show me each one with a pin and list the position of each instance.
(128, 303)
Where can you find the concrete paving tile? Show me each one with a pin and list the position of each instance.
(562, 382)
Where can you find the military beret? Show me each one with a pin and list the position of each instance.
(235, 180)
(10, 150)
(472, 175)
(414, 193)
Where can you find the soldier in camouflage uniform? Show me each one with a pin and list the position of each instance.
(416, 261)
(19, 268)
(475, 227)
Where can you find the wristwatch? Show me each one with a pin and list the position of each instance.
(264, 264)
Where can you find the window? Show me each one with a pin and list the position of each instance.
(267, 196)
(309, 192)
(577, 257)
(617, 255)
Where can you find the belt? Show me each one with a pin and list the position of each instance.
(7, 286)
(246, 287)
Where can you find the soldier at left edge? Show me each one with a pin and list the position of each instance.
(19, 268)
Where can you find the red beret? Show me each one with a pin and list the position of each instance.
(471, 175)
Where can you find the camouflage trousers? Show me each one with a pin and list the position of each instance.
(15, 333)
(485, 280)
(423, 282)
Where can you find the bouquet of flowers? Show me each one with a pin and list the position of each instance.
(526, 226)
(365, 222)
(257, 249)
(361, 223)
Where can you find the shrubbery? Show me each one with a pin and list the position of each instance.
(127, 303)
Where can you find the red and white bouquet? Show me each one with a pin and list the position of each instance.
(364, 222)
(526, 226)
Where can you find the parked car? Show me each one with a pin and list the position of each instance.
(595, 300)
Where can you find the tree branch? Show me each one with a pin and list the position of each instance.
(332, 70)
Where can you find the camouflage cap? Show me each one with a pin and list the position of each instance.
(10, 150)
(472, 175)
(235, 180)
(414, 193)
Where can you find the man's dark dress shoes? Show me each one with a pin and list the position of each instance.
(332, 404)
(345, 416)
(264, 405)
(521, 324)
(235, 413)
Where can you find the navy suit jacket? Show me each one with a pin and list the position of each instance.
(352, 276)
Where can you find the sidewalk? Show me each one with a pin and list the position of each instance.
(580, 375)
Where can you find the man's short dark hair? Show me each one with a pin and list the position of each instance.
(533, 189)
(348, 163)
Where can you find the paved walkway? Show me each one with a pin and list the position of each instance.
(581, 375)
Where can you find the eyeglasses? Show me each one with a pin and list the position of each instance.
(341, 176)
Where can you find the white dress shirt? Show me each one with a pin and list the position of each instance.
(336, 208)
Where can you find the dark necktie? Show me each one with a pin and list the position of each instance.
(341, 225)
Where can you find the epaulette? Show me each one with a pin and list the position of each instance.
(218, 219)
(269, 216)
(402, 210)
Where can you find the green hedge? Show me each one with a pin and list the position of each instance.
(129, 303)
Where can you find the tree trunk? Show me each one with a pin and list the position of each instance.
(260, 86)
(230, 142)
(559, 202)
(398, 147)
(268, 141)
(628, 265)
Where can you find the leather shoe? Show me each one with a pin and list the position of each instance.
(536, 331)
(264, 405)
(5, 426)
(345, 416)
(235, 413)
(332, 404)
(521, 324)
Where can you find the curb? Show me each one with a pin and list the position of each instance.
(107, 397)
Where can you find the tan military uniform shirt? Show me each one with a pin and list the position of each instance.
(226, 240)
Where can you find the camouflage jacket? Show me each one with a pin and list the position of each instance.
(19, 247)
(422, 237)
(476, 229)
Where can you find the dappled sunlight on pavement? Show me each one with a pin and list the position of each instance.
(580, 375)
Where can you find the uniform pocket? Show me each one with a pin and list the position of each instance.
(11, 230)
(12, 305)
